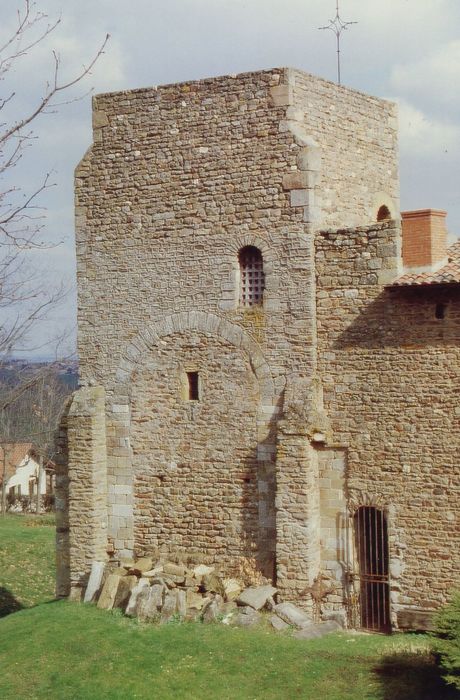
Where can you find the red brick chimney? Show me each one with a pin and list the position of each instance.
(424, 237)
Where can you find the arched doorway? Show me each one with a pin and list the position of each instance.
(371, 541)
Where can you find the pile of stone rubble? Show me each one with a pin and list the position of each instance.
(164, 592)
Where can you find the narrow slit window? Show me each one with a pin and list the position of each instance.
(193, 386)
(252, 277)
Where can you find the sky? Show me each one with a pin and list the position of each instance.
(404, 50)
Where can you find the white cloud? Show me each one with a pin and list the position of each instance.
(432, 80)
(423, 136)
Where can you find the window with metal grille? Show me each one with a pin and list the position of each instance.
(252, 278)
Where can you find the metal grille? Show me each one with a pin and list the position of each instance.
(252, 276)
(371, 538)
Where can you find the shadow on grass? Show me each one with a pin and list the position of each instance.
(8, 603)
(412, 676)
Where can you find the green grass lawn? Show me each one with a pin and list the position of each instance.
(27, 566)
(62, 650)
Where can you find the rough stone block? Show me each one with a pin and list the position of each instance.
(95, 581)
(291, 614)
(256, 596)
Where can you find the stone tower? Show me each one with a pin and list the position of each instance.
(201, 424)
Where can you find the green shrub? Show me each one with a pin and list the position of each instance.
(447, 640)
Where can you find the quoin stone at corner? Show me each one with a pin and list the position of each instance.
(269, 358)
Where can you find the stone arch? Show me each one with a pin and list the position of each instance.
(204, 322)
(383, 201)
(358, 498)
(238, 241)
(120, 457)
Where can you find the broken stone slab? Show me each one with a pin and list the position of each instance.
(194, 600)
(338, 616)
(181, 603)
(232, 588)
(278, 624)
(125, 586)
(150, 606)
(94, 581)
(320, 629)
(169, 608)
(109, 591)
(212, 583)
(256, 596)
(138, 593)
(293, 615)
(191, 582)
(141, 565)
(127, 562)
(153, 572)
(202, 570)
(246, 617)
(174, 569)
(212, 611)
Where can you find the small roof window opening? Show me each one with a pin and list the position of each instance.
(252, 277)
(383, 213)
(440, 311)
(193, 379)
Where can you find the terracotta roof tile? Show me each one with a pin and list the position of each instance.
(15, 453)
(448, 274)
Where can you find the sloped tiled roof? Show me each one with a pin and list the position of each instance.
(448, 274)
(15, 453)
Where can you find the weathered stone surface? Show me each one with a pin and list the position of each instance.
(139, 593)
(248, 617)
(169, 608)
(151, 573)
(278, 624)
(181, 603)
(416, 620)
(338, 616)
(291, 614)
(150, 606)
(123, 593)
(212, 611)
(194, 600)
(95, 581)
(141, 565)
(202, 570)
(109, 592)
(314, 631)
(256, 596)
(232, 588)
(174, 570)
(212, 583)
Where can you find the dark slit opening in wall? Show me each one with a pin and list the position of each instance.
(193, 386)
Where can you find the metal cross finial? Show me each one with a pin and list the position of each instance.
(337, 26)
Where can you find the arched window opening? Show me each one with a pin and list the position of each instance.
(371, 539)
(252, 277)
(383, 213)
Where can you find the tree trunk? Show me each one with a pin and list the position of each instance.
(39, 484)
(5, 462)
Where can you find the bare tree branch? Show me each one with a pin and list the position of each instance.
(26, 298)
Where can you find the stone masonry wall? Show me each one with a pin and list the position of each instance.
(355, 138)
(178, 180)
(390, 372)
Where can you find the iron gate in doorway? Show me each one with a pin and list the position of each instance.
(371, 543)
